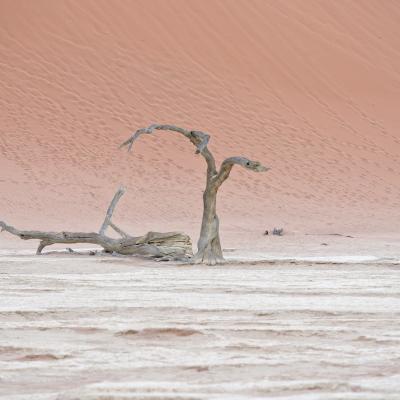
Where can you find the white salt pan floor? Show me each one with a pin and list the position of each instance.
(97, 328)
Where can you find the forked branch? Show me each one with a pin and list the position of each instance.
(228, 164)
(107, 220)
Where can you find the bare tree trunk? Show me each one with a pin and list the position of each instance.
(209, 249)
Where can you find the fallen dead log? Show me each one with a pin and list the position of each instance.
(165, 246)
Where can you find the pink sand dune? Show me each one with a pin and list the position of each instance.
(310, 88)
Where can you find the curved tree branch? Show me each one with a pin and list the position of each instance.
(228, 164)
(198, 138)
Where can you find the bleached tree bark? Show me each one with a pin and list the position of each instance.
(169, 245)
(107, 220)
(209, 250)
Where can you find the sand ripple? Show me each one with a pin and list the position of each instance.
(159, 332)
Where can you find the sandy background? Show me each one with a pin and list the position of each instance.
(310, 88)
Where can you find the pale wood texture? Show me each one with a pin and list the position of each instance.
(165, 246)
(209, 250)
(107, 220)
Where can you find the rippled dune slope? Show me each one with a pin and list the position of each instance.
(310, 88)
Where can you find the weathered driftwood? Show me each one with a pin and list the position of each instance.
(209, 249)
(170, 245)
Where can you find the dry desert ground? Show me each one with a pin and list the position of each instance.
(309, 88)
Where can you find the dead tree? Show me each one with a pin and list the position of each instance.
(209, 249)
(165, 246)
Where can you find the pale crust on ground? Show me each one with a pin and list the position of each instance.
(88, 328)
